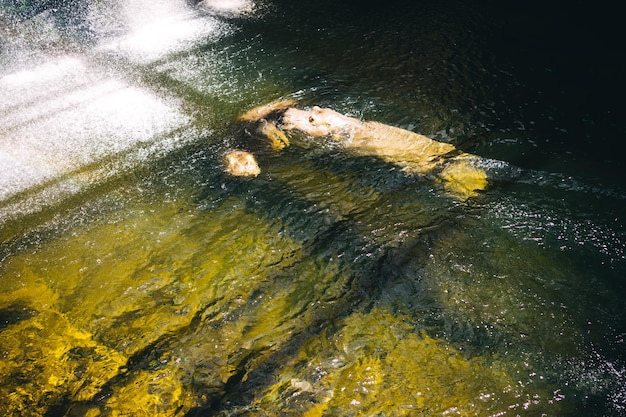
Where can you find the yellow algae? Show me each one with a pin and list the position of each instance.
(150, 393)
(189, 299)
(378, 365)
(250, 326)
(130, 281)
(93, 412)
(123, 289)
(46, 359)
(36, 295)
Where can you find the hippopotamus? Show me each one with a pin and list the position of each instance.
(414, 153)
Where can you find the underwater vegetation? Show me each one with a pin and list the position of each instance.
(205, 304)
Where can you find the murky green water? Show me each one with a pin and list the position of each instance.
(137, 278)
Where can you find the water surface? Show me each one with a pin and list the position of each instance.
(137, 278)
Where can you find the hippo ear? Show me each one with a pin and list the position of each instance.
(314, 110)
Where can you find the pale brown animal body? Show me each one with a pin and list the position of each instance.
(414, 153)
(410, 150)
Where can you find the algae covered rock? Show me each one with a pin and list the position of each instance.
(47, 360)
(148, 314)
(378, 364)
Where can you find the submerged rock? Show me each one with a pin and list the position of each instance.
(376, 363)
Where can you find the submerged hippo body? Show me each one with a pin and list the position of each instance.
(414, 153)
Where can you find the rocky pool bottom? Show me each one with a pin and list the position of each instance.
(309, 290)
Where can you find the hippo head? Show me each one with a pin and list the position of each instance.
(241, 164)
(319, 122)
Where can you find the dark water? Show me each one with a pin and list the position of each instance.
(137, 278)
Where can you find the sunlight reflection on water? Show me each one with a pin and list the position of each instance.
(64, 115)
(68, 112)
(152, 39)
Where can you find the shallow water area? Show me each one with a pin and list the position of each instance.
(138, 278)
